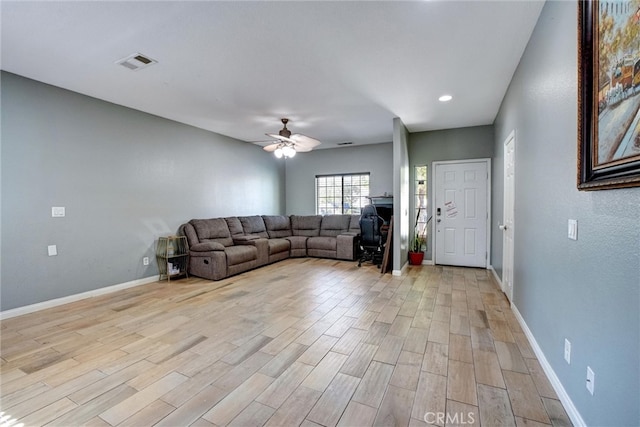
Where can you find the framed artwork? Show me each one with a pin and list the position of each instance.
(608, 94)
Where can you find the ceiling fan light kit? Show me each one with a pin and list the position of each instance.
(288, 144)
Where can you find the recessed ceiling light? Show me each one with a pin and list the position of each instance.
(445, 98)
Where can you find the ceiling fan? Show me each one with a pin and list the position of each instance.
(289, 144)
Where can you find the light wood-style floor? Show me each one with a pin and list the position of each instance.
(301, 342)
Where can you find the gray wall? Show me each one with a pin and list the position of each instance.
(301, 172)
(442, 145)
(125, 178)
(586, 290)
(400, 187)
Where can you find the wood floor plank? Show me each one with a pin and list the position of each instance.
(436, 358)
(461, 383)
(318, 350)
(487, 368)
(349, 341)
(389, 349)
(235, 402)
(430, 398)
(193, 408)
(371, 389)
(334, 400)
(524, 397)
(254, 415)
(323, 373)
(458, 414)
(357, 414)
(395, 408)
(49, 412)
(495, 407)
(460, 348)
(416, 340)
(283, 360)
(149, 415)
(509, 357)
(128, 407)
(193, 386)
(295, 408)
(85, 412)
(357, 364)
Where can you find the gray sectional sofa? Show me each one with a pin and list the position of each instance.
(222, 247)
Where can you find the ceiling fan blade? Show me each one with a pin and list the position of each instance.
(272, 147)
(305, 141)
(280, 137)
(302, 148)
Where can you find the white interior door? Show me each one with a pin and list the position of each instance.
(507, 226)
(461, 212)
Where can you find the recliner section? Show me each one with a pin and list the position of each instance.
(222, 247)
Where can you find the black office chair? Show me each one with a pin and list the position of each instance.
(371, 241)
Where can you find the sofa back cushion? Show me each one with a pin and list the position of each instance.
(306, 225)
(212, 230)
(354, 224)
(332, 225)
(235, 226)
(278, 226)
(254, 225)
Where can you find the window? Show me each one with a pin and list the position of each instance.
(341, 194)
(421, 200)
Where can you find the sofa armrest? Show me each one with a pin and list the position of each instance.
(207, 246)
(346, 246)
(245, 240)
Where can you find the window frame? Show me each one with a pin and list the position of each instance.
(353, 210)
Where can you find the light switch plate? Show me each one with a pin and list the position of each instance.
(53, 250)
(591, 380)
(57, 211)
(573, 229)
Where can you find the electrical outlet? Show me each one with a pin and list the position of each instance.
(52, 250)
(57, 212)
(567, 351)
(591, 380)
(145, 260)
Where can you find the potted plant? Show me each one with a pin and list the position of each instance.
(416, 255)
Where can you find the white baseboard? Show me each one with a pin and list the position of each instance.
(427, 262)
(19, 311)
(495, 276)
(571, 409)
(401, 271)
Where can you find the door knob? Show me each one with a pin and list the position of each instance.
(502, 227)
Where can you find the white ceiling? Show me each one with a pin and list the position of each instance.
(340, 70)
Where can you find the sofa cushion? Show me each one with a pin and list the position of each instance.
(254, 225)
(212, 230)
(332, 225)
(354, 224)
(307, 225)
(278, 226)
(279, 245)
(235, 226)
(240, 254)
(322, 242)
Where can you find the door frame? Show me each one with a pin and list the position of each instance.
(434, 203)
(508, 290)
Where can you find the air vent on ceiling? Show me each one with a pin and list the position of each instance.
(136, 61)
(345, 143)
